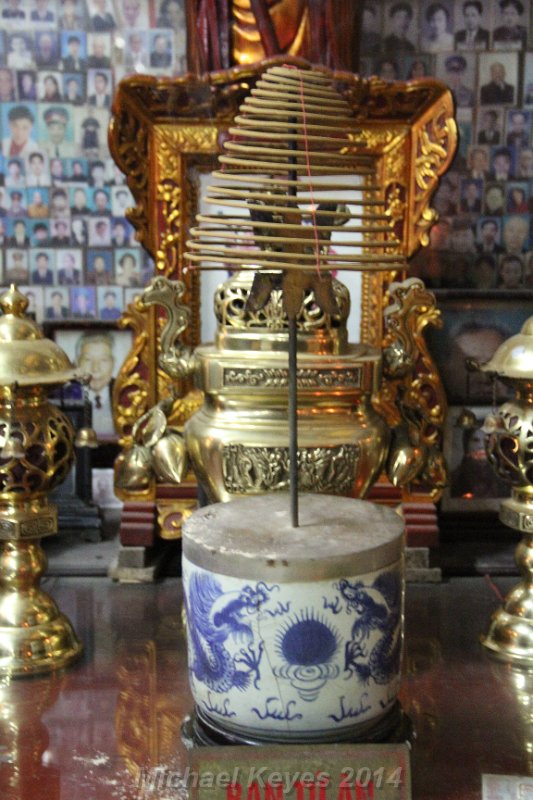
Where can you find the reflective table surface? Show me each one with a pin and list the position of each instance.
(109, 728)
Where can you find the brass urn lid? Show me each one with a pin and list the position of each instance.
(26, 357)
(267, 329)
(514, 358)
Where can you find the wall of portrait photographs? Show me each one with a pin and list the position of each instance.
(64, 237)
(480, 260)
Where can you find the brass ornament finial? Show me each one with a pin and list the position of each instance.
(14, 302)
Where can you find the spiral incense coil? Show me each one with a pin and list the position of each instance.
(282, 189)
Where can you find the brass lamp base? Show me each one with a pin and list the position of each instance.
(510, 635)
(34, 636)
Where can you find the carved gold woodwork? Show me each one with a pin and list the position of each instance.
(412, 397)
(162, 130)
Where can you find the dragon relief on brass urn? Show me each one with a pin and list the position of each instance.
(237, 439)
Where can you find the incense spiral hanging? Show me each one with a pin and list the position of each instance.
(284, 177)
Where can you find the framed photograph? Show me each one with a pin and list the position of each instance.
(419, 66)
(524, 167)
(99, 231)
(99, 88)
(18, 121)
(122, 233)
(70, 267)
(56, 303)
(498, 79)
(40, 233)
(128, 268)
(401, 33)
(474, 327)
(472, 26)
(489, 126)
(35, 297)
(474, 485)
(74, 88)
(59, 207)
(515, 233)
(110, 301)
(101, 16)
(46, 49)
(44, 13)
(7, 85)
(133, 13)
(56, 130)
(478, 161)
(103, 492)
(161, 45)
(20, 51)
(437, 26)
(527, 98)
(49, 87)
(37, 170)
(459, 72)
(91, 131)
(371, 28)
(42, 267)
(97, 350)
(121, 200)
(99, 267)
(60, 232)
(511, 21)
(99, 51)
(77, 170)
(17, 266)
(73, 50)
(78, 200)
(83, 302)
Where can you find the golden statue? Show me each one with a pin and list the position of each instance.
(247, 31)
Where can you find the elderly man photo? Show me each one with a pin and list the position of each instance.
(95, 357)
(497, 91)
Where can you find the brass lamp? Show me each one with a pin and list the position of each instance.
(510, 451)
(36, 453)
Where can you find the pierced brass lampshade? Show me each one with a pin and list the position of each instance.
(510, 451)
(36, 453)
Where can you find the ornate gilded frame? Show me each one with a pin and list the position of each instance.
(161, 127)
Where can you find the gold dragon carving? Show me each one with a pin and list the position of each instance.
(140, 383)
(435, 147)
(412, 397)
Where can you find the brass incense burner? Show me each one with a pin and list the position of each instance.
(237, 440)
(510, 451)
(36, 453)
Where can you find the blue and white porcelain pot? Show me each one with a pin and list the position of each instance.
(294, 633)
